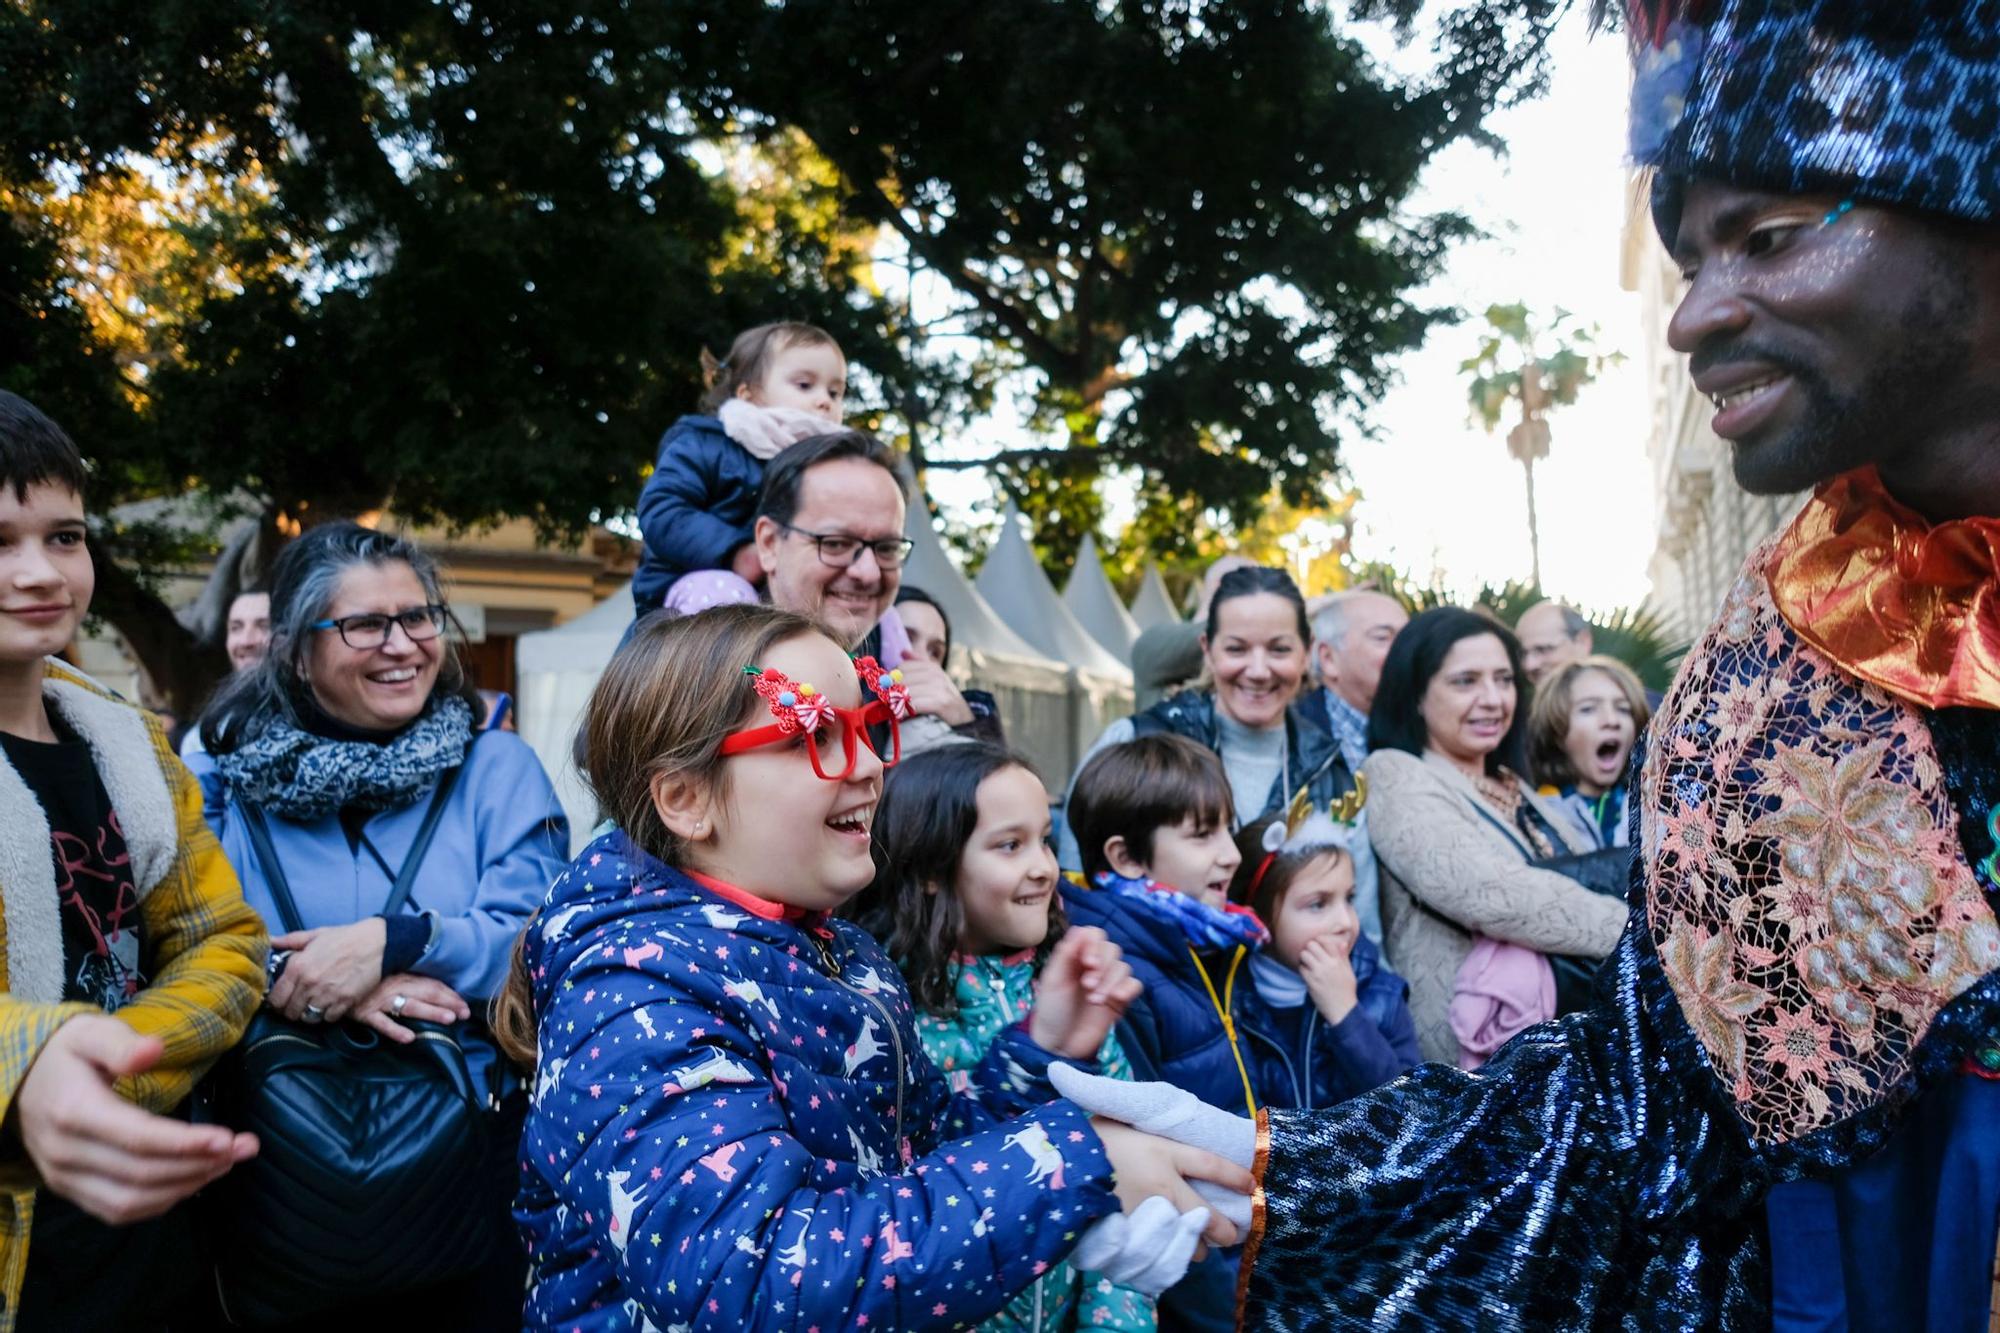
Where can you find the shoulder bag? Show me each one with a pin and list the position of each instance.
(383, 1167)
(1605, 871)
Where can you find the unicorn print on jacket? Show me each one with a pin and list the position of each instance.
(770, 1148)
(623, 1201)
(714, 1067)
(1048, 1163)
(865, 1048)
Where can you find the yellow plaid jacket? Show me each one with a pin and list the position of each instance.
(205, 948)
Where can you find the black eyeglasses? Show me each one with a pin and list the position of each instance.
(842, 551)
(372, 630)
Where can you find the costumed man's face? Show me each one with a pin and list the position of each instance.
(1826, 338)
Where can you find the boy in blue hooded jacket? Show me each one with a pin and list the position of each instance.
(1151, 818)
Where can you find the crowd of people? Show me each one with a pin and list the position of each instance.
(1328, 799)
(1392, 968)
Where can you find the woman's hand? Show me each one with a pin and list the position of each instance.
(1144, 1165)
(1085, 987)
(424, 999)
(1329, 974)
(330, 970)
(931, 692)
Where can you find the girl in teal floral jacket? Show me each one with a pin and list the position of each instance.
(965, 901)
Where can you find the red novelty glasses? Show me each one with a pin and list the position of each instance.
(804, 713)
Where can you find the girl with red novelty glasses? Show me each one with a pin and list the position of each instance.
(803, 711)
(734, 1124)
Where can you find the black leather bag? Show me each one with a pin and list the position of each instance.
(1606, 870)
(382, 1168)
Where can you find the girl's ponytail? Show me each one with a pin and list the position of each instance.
(511, 1015)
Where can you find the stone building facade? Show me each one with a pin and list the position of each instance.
(1706, 523)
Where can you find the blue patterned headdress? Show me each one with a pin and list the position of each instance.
(1891, 101)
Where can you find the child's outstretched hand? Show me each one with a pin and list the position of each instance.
(1329, 975)
(1084, 988)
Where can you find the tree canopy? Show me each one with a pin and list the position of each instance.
(322, 256)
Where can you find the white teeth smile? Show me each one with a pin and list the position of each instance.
(396, 677)
(1724, 401)
(854, 821)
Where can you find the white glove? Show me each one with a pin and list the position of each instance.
(766, 432)
(1171, 1113)
(1147, 1251)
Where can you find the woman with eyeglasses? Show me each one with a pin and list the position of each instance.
(323, 764)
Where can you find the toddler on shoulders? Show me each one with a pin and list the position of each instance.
(780, 384)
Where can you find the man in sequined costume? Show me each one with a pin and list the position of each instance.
(1806, 999)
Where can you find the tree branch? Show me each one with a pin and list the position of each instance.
(994, 460)
(1040, 347)
(182, 670)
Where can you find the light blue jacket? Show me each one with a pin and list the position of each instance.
(501, 841)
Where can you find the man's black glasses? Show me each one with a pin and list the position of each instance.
(842, 551)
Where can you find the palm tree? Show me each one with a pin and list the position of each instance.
(1636, 635)
(1536, 369)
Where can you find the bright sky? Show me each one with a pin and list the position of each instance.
(1440, 494)
(1441, 497)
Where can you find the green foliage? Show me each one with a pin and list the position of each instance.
(462, 258)
(1635, 635)
(1178, 227)
(1564, 354)
(1639, 637)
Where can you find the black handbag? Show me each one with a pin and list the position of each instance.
(1606, 870)
(382, 1168)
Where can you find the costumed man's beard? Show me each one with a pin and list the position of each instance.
(1830, 428)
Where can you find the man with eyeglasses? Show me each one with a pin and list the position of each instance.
(829, 535)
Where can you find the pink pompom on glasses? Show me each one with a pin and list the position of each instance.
(803, 712)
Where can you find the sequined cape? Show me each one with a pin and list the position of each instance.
(1812, 943)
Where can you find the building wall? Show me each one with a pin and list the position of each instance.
(1707, 524)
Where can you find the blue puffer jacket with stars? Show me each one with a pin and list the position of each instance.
(734, 1125)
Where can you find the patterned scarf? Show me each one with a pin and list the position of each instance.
(1205, 927)
(304, 776)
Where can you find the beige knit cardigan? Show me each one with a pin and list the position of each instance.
(1451, 874)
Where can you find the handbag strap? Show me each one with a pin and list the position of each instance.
(1514, 836)
(406, 878)
(274, 873)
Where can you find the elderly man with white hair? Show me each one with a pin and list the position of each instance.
(1352, 631)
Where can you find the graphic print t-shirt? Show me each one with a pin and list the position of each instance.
(97, 899)
(81, 1273)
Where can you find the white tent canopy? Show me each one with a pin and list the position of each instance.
(555, 670)
(974, 624)
(1153, 606)
(1094, 602)
(1012, 581)
(1052, 710)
